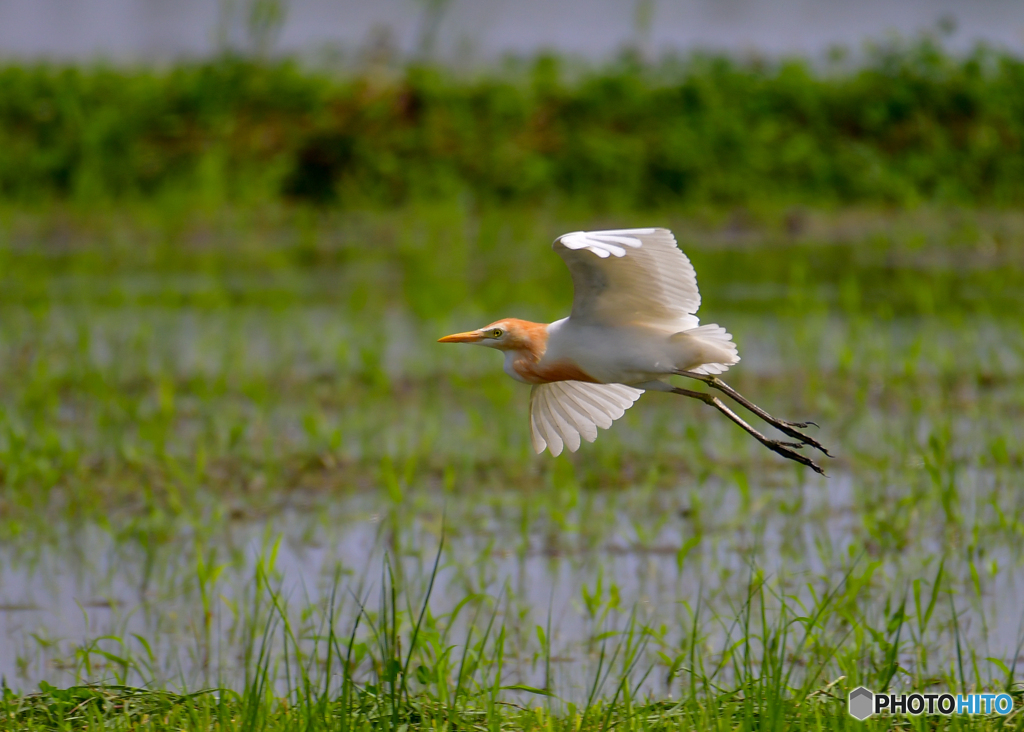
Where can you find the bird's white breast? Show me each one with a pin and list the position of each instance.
(627, 354)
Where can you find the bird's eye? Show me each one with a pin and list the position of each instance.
(496, 333)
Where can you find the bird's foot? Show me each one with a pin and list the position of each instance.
(790, 429)
(784, 449)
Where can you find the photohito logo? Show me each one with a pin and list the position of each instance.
(863, 703)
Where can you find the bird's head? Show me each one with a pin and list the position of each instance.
(510, 334)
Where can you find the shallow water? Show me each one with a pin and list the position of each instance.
(56, 599)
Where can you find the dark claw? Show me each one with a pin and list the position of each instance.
(789, 430)
(800, 425)
(781, 449)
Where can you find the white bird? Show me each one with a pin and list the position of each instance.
(633, 325)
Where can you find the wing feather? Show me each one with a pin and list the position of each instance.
(556, 420)
(596, 409)
(578, 420)
(629, 276)
(539, 443)
(581, 419)
(570, 431)
(595, 413)
(562, 412)
(549, 435)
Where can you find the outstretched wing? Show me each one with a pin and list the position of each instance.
(630, 276)
(564, 411)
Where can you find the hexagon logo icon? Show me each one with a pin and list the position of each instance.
(862, 703)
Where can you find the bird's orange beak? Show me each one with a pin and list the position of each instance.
(471, 336)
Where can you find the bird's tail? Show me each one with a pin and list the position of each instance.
(708, 349)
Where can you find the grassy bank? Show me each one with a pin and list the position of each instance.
(909, 124)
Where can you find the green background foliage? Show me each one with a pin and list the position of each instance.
(910, 124)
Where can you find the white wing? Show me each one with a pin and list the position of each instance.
(629, 276)
(563, 411)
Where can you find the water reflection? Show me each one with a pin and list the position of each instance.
(654, 553)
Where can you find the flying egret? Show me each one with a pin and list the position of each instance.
(632, 326)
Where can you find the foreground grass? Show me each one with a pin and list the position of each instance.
(111, 707)
(129, 708)
(781, 666)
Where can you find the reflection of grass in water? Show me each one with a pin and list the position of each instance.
(155, 377)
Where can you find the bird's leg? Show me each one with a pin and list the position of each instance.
(786, 449)
(789, 428)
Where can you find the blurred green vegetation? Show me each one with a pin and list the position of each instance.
(906, 123)
(198, 354)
